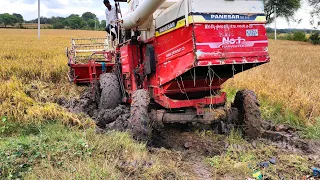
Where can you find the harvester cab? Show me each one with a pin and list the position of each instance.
(179, 54)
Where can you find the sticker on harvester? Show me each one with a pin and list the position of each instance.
(252, 32)
(229, 17)
(227, 26)
(232, 42)
(167, 27)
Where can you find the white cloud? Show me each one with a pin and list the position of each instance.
(302, 14)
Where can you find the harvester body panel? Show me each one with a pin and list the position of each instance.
(190, 49)
(216, 42)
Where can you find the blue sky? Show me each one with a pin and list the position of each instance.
(28, 8)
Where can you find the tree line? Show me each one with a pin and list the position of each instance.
(87, 20)
(11, 19)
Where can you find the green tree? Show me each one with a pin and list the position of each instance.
(315, 38)
(91, 23)
(103, 24)
(315, 4)
(19, 17)
(299, 36)
(88, 15)
(58, 25)
(1, 20)
(8, 19)
(75, 22)
(285, 8)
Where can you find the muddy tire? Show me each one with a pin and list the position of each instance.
(139, 121)
(249, 114)
(97, 92)
(110, 96)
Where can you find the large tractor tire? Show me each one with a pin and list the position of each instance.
(249, 114)
(110, 96)
(139, 121)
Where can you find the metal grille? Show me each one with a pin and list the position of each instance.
(83, 48)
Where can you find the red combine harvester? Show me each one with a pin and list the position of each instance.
(177, 55)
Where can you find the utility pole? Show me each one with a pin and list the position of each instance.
(275, 22)
(39, 19)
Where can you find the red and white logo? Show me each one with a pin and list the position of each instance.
(232, 42)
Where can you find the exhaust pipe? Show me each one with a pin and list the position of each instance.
(141, 14)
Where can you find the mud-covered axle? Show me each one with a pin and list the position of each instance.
(208, 117)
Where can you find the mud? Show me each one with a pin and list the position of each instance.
(181, 136)
(192, 145)
(85, 104)
(184, 137)
(190, 140)
(107, 116)
(286, 137)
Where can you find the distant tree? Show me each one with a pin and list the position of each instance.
(57, 25)
(88, 15)
(8, 19)
(91, 23)
(75, 22)
(285, 8)
(315, 38)
(299, 36)
(59, 21)
(19, 17)
(103, 24)
(1, 20)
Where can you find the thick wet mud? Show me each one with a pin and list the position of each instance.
(286, 137)
(185, 137)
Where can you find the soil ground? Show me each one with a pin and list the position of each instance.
(206, 155)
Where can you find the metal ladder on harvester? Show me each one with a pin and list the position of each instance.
(92, 74)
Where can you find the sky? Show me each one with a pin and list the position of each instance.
(28, 8)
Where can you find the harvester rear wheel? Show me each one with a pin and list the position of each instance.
(110, 91)
(139, 121)
(249, 113)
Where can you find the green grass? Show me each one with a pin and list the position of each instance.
(312, 132)
(56, 151)
(242, 159)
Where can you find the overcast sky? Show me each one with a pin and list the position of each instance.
(28, 8)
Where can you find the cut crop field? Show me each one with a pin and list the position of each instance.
(41, 140)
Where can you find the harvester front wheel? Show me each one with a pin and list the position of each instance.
(249, 113)
(110, 96)
(139, 121)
